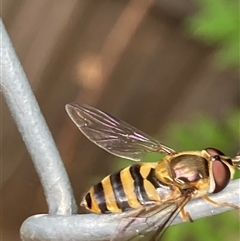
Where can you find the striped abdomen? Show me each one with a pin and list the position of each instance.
(130, 188)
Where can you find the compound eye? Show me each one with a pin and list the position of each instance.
(214, 152)
(221, 175)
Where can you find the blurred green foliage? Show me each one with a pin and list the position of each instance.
(217, 22)
(223, 134)
(202, 132)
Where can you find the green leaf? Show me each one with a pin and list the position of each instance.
(217, 22)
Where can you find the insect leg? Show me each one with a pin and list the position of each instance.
(205, 197)
(185, 215)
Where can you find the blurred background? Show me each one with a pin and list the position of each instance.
(169, 68)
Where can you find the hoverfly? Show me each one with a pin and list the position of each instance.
(173, 181)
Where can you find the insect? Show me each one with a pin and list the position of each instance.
(173, 181)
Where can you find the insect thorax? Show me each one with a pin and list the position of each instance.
(184, 171)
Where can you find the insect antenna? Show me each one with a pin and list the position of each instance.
(236, 161)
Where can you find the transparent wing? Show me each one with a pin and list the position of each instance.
(165, 215)
(113, 135)
(158, 219)
(169, 218)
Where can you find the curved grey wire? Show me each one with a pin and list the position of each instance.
(93, 227)
(35, 133)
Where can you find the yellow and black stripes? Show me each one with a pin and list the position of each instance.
(100, 197)
(130, 188)
(118, 190)
(139, 188)
(154, 181)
